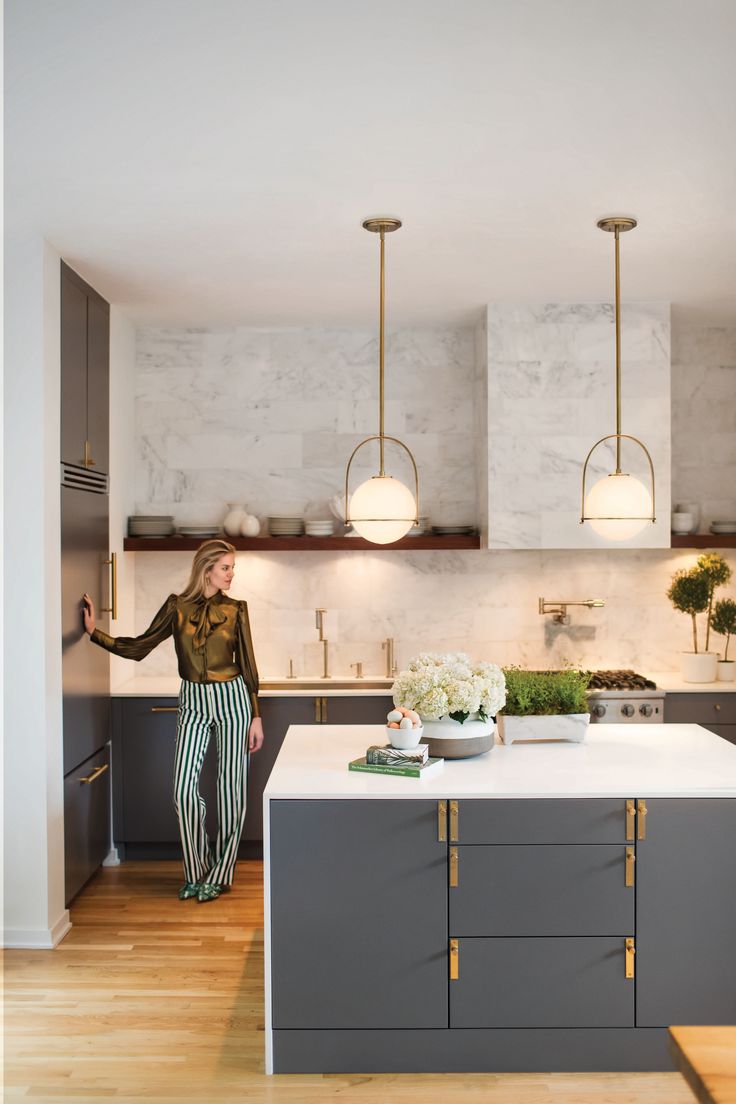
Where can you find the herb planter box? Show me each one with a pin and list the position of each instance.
(565, 726)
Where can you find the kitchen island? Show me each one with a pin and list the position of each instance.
(541, 907)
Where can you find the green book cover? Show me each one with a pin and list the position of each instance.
(410, 770)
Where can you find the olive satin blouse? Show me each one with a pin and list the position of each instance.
(211, 636)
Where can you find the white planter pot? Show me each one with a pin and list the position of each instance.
(699, 666)
(567, 726)
(726, 670)
(448, 739)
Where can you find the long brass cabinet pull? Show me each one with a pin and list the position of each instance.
(453, 867)
(454, 837)
(164, 708)
(324, 710)
(629, 952)
(454, 960)
(318, 710)
(641, 820)
(630, 860)
(95, 774)
(112, 609)
(441, 821)
(630, 819)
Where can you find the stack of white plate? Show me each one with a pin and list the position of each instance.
(723, 527)
(286, 526)
(150, 525)
(199, 531)
(319, 528)
(453, 530)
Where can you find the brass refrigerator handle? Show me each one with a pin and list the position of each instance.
(630, 819)
(112, 609)
(88, 462)
(94, 775)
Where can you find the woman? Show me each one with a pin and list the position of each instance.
(219, 688)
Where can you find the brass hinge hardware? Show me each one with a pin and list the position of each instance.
(94, 775)
(441, 821)
(642, 820)
(630, 820)
(630, 860)
(453, 867)
(454, 960)
(454, 837)
(629, 957)
(318, 710)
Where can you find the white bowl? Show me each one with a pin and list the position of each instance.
(404, 738)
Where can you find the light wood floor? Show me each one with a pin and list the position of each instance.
(154, 999)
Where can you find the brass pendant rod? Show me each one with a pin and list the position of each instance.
(618, 356)
(380, 354)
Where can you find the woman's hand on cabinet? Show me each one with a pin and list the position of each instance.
(88, 613)
(255, 734)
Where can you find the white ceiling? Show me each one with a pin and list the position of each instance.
(210, 161)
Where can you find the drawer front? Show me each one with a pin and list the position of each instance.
(703, 709)
(541, 890)
(594, 820)
(541, 983)
(86, 820)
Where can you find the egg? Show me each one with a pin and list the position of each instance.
(405, 722)
(393, 724)
(403, 711)
(414, 715)
(394, 715)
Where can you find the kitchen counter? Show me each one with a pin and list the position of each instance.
(673, 682)
(168, 687)
(615, 760)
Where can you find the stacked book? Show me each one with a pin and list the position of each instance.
(384, 759)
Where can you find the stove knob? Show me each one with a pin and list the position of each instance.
(646, 710)
(599, 711)
(628, 710)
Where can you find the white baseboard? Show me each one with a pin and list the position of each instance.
(38, 939)
(112, 858)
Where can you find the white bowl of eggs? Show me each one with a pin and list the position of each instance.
(403, 728)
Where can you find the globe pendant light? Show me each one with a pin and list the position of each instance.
(382, 509)
(618, 506)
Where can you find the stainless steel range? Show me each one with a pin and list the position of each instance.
(621, 696)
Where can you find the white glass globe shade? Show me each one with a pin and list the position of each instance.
(618, 496)
(382, 509)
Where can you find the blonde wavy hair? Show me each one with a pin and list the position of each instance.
(204, 560)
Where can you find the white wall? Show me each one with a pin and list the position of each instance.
(33, 808)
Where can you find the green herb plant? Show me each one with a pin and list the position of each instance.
(535, 693)
(723, 621)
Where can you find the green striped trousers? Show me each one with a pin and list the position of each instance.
(224, 706)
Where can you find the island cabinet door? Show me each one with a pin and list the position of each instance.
(557, 982)
(552, 889)
(358, 915)
(543, 821)
(686, 913)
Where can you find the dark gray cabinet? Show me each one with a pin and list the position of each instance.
(359, 900)
(85, 371)
(356, 709)
(686, 913)
(86, 820)
(714, 711)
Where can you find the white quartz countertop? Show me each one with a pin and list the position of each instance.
(672, 682)
(168, 687)
(616, 760)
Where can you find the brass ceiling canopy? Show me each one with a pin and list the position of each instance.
(383, 224)
(612, 223)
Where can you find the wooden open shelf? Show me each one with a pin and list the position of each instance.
(703, 540)
(302, 544)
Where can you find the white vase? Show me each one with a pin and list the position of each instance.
(699, 666)
(234, 519)
(448, 739)
(250, 526)
(564, 726)
(726, 670)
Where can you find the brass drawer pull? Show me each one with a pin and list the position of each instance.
(642, 820)
(324, 711)
(164, 708)
(454, 822)
(629, 953)
(453, 867)
(94, 775)
(454, 960)
(630, 860)
(441, 821)
(318, 710)
(630, 820)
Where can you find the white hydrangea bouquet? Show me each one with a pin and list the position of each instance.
(450, 685)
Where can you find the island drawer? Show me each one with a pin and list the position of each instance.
(703, 708)
(541, 983)
(542, 890)
(543, 821)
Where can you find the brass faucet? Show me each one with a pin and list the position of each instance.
(388, 647)
(325, 643)
(559, 609)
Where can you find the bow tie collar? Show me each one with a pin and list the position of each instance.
(206, 617)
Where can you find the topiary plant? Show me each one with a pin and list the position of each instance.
(723, 621)
(690, 593)
(718, 573)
